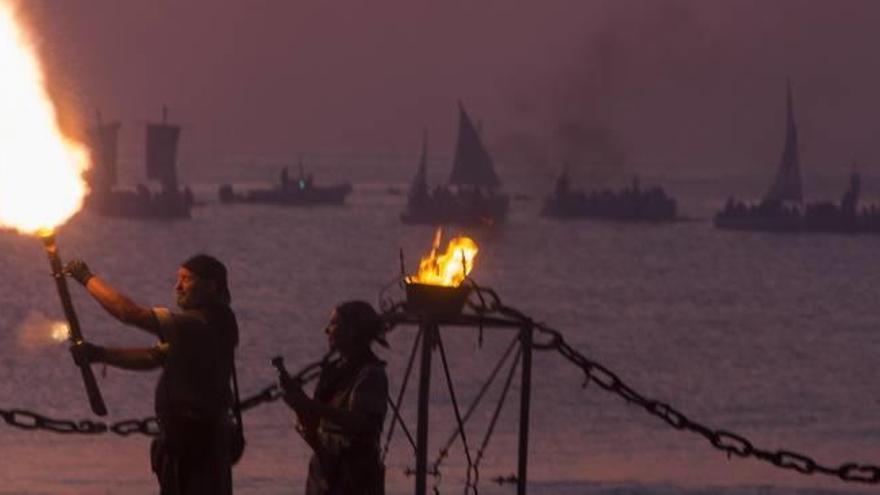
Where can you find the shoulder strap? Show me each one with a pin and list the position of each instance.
(236, 404)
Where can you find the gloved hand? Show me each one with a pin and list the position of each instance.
(78, 270)
(85, 353)
(293, 392)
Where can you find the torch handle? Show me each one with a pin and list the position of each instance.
(96, 400)
(75, 334)
(278, 364)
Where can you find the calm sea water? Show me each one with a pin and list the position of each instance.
(773, 337)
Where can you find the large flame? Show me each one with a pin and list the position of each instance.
(41, 183)
(449, 268)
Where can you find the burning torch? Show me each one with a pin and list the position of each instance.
(96, 400)
(41, 183)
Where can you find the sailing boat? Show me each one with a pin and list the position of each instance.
(161, 164)
(781, 208)
(470, 196)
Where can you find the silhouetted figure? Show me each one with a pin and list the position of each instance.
(193, 453)
(188, 196)
(343, 422)
(285, 178)
(563, 185)
(850, 202)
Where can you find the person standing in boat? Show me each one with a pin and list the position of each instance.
(343, 421)
(193, 453)
(285, 178)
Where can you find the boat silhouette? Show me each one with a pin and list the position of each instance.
(161, 165)
(630, 204)
(782, 208)
(470, 196)
(300, 192)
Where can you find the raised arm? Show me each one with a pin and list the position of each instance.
(117, 304)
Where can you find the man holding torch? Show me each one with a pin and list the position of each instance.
(193, 453)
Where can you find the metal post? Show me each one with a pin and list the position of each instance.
(524, 403)
(429, 333)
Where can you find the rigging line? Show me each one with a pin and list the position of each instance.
(400, 394)
(497, 413)
(464, 443)
(473, 406)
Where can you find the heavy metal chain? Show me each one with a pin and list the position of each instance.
(29, 420)
(726, 441)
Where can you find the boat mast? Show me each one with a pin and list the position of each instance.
(787, 184)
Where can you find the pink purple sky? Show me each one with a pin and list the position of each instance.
(687, 86)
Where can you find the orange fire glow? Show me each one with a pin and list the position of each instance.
(39, 331)
(41, 183)
(449, 268)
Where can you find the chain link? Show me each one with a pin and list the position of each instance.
(147, 426)
(29, 420)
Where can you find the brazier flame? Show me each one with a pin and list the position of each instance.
(449, 268)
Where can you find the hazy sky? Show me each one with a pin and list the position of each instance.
(664, 84)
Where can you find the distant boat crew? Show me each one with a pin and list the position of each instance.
(471, 196)
(631, 204)
(782, 208)
(161, 165)
(301, 192)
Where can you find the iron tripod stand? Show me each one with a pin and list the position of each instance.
(429, 326)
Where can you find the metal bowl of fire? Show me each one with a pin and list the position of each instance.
(438, 291)
(436, 301)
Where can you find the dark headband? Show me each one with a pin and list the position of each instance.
(368, 325)
(210, 268)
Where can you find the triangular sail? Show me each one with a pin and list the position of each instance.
(787, 185)
(472, 165)
(103, 144)
(419, 186)
(162, 154)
